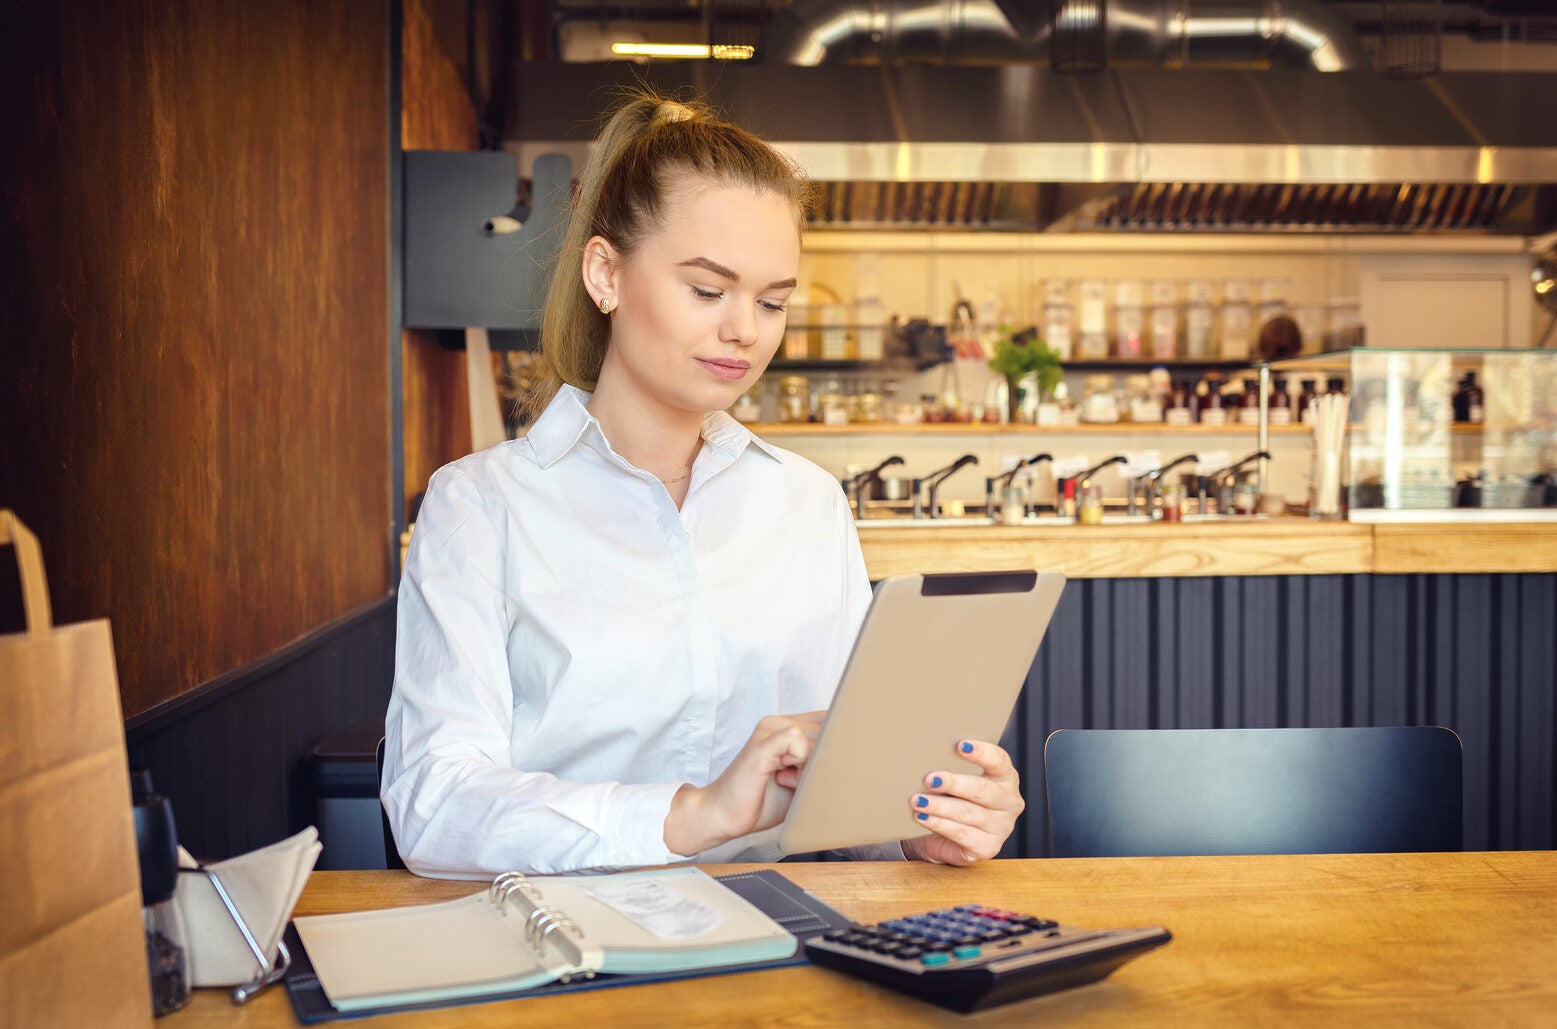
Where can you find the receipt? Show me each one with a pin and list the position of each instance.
(662, 911)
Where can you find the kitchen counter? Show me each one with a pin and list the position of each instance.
(1268, 546)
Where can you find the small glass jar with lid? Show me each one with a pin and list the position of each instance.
(1099, 403)
(1172, 502)
(794, 398)
(1141, 403)
(1089, 505)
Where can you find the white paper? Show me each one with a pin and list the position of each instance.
(662, 911)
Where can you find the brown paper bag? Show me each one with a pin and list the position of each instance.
(72, 947)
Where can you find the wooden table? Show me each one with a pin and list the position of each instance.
(1403, 939)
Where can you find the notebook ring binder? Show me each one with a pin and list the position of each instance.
(545, 921)
(507, 884)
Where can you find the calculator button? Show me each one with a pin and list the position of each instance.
(966, 952)
(935, 958)
(908, 953)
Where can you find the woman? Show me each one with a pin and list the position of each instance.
(616, 633)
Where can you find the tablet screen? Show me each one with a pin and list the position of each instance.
(939, 658)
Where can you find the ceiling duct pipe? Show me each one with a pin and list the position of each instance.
(1168, 33)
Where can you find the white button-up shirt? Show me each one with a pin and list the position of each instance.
(572, 648)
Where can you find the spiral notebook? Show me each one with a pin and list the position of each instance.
(527, 935)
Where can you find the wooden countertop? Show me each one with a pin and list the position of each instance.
(1275, 546)
(1332, 939)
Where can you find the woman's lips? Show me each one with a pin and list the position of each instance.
(727, 370)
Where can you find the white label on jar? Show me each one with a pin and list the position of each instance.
(1177, 416)
(1093, 313)
(1281, 416)
(1213, 416)
(1476, 413)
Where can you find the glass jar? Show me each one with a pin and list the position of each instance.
(1280, 402)
(1246, 499)
(1142, 404)
(867, 408)
(1249, 410)
(748, 409)
(1013, 504)
(1098, 403)
(1089, 505)
(1212, 409)
(1307, 395)
(1172, 497)
(1176, 409)
(794, 398)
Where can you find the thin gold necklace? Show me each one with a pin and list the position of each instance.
(672, 482)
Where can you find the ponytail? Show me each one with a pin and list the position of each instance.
(648, 142)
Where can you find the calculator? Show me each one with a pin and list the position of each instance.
(973, 957)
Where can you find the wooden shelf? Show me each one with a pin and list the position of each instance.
(987, 429)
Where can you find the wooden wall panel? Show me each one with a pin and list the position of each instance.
(235, 767)
(435, 114)
(195, 359)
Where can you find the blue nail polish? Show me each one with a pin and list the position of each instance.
(967, 748)
(923, 817)
(923, 802)
(935, 783)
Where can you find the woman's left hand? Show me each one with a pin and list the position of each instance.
(969, 816)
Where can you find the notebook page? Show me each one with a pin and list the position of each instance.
(429, 952)
(665, 920)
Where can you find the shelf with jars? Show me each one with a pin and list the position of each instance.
(1006, 429)
(1211, 399)
(1446, 430)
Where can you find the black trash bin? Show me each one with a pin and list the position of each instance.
(345, 777)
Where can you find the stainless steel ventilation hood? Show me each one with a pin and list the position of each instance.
(1016, 146)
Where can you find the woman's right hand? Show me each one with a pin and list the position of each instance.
(753, 793)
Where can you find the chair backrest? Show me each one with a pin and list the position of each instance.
(1158, 792)
(391, 851)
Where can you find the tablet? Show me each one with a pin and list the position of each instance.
(939, 658)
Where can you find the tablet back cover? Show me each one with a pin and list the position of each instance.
(939, 658)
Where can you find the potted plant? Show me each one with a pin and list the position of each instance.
(1020, 354)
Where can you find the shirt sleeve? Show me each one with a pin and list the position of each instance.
(458, 807)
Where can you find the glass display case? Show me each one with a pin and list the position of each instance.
(1436, 431)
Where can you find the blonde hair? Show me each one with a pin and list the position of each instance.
(649, 145)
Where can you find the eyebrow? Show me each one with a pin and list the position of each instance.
(707, 264)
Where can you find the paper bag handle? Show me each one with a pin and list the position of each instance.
(29, 560)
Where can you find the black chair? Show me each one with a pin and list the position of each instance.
(1159, 792)
(391, 851)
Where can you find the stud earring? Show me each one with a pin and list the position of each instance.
(605, 305)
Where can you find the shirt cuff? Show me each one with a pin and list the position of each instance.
(635, 827)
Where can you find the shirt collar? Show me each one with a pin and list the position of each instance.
(566, 421)
(561, 426)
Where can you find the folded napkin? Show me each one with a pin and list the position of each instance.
(264, 885)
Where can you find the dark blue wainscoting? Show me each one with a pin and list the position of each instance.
(232, 754)
(1477, 653)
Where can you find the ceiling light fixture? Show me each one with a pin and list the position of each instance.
(684, 50)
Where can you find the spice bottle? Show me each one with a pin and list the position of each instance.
(1307, 396)
(1212, 409)
(1176, 408)
(1249, 414)
(156, 845)
(1469, 407)
(1280, 402)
